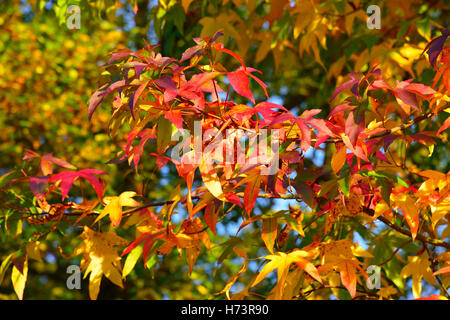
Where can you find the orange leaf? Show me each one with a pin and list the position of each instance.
(338, 159)
(348, 276)
(251, 193)
(443, 270)
(191, 256)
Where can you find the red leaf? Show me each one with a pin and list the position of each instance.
(98, 96)
(203, 82)
(420, 89)
(262, 84)
(341, 108)
(190, 52)
(354, 125)
(37, 185)
(435, 46)
(211, 217)
(67, 178)
(30, 154)
(46, 167)
(348, 84)
(136, 96)
(175, 117)
(58, 161)
(120, 55)
(134, 244)
(445, 125)
(305, 143)
(219, 47)
(321, 126)
(239, 81)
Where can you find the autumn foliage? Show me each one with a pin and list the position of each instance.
(367, 201)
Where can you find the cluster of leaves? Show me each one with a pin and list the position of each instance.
(383, 133)
(157, 96)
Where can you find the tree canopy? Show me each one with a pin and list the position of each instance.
(226, 149)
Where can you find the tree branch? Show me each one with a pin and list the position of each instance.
(420, 237)
(368, 211)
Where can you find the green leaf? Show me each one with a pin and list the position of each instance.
(344, 185)
(131, 260)
(177, 16)
(151, 262)
(326, 187)
(386, 189)
(370, 40)
(7, 177)
(340, 6)
(352, 47)
(401, 31)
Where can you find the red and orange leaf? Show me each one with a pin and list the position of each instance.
(251, 192)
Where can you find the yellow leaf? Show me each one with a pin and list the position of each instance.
(418, 267)
(386, 292)
(349, 19)
(264, 46)
(439, 212)
(224, 21)
(114, 209)
(360, 252)
(100, 258)
(304, 17)
(33, 251)
(281, 261)
(381, 209)
(292, 281)
(126, 199)
(19, 279)
(341, 255)
(114, 206)
(334, 280)
(409, 209)
(210, 178)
